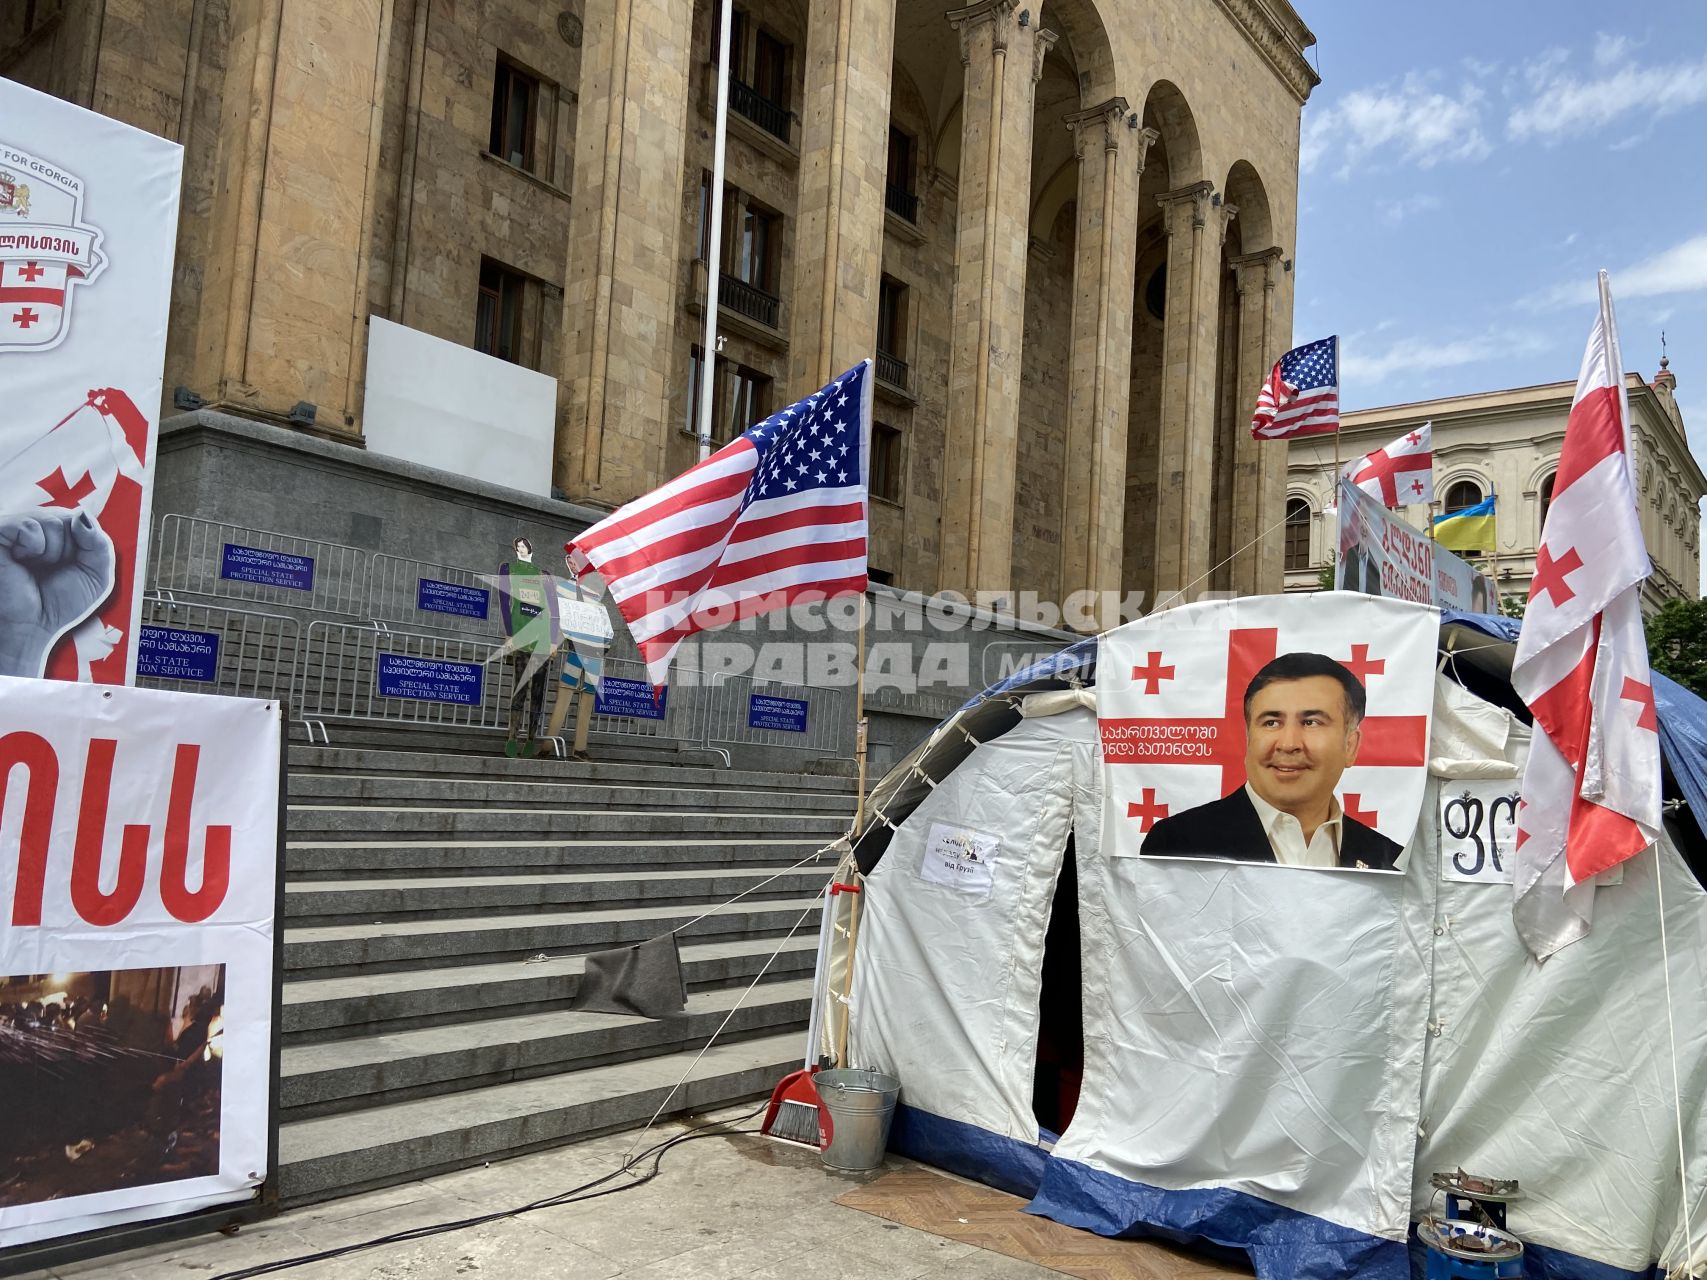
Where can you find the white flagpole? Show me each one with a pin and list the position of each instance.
(714, 243)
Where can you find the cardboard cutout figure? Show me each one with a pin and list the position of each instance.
(525, 595)
(587, 627)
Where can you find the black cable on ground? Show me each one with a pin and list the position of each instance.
(574, 1195)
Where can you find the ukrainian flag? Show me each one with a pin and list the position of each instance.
(1471, 529)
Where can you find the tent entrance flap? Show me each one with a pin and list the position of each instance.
(1060, 1022)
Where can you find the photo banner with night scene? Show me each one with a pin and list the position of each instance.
(139, 832)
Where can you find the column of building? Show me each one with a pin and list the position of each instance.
(282, 314)
(844, 152)
(1001, 51)
(1259, 468)
(620, 298)
(1196, 219)
(1110, 148)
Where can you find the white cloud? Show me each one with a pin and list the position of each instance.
(1408, 356)
(1559, 103)
(1679, 269)
(1409, 122)
(1611, 49)
(1396, 211)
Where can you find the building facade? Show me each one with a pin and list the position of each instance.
(1065, 229)
(1506, 444)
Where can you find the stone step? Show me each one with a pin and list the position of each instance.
(480, 744)
(340, 1154)
(313, 902)
(488, 821)
(398, 790)
(330, 950)
(319, 1009)
(365, 859)
(370, 761)
(343, 1075)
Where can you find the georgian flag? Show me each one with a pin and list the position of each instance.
(1591, 788)
(1400, 474)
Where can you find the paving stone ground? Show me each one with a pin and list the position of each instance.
(727, 1206)
(731, 1205)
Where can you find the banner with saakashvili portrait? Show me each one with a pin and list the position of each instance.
(1280, 730)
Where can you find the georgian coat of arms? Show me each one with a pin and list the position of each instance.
(46, 250)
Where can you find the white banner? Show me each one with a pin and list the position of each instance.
(1478, 830)
(140, 839)
(1289, 729)
(88, 229)
(1381, 555)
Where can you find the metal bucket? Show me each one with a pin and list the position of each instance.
(861, 1105)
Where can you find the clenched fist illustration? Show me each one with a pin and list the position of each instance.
(56, 567)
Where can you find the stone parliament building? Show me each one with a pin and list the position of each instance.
(1064, 227)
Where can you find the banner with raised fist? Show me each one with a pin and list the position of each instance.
(88, 226)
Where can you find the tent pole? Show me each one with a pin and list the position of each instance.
(859, 721)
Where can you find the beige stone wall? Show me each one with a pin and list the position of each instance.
(1040, 477)
(336, 168)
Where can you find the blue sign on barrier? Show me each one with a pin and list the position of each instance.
(429, 680)
(167, 653)
(268, 568)
(630, 698)
(434, 596)
(787, 714)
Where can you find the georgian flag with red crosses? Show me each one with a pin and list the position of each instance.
(1170, 702)
(1591, 787)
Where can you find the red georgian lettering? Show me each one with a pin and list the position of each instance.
(216, 849)
(92, 905)
(36, 755)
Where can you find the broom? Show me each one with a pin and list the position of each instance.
(793, 1114)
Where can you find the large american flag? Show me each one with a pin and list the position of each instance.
(776, 516)
(1302, 394)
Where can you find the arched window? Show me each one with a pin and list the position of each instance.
(1546, 498)
(1297, 533)
(1461, 494)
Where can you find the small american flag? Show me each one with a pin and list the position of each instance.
(775, 516)
(1302, 394)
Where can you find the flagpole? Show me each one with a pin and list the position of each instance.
(860, 735)
(714, 242)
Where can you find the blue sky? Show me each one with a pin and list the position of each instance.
(1468, 167)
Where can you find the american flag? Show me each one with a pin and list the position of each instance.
(776, 516)
(1302, 394)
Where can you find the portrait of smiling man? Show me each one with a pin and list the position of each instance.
(1303, 727)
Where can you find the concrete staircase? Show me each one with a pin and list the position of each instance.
(437, 911)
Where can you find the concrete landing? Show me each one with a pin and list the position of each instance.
(724, 1207)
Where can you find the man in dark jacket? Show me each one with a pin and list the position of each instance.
(1303, 726)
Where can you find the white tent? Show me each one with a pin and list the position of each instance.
(1273, 1060)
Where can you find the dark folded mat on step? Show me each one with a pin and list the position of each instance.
(644, 979)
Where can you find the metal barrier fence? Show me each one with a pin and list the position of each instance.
(370, 673)
(210, 648)
(742, 711)
(197, 557)
(437, 597)
(345, 666)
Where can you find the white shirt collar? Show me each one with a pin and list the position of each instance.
(1286, 834)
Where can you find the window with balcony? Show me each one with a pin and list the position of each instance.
(515, 106)
(751, 253)
(886, 462)
(740, 397)
(898, 194)
(498, 314)
(760, 69)
(1546, 502)
(1297, 534)
(892, 333)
